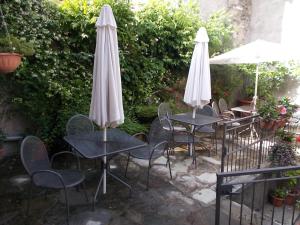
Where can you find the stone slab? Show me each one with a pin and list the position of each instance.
(205, 196)
(211, 160)
(207, 178)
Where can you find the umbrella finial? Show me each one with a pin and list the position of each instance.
(106, 17)
(202, 35)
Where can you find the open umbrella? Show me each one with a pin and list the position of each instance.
(255, 52)
(198, 88)
(106, 107)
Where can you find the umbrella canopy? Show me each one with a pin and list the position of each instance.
(198, 88)
(106, 107)
(253, 53)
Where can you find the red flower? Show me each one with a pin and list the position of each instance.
(298, 138)
(283, 110)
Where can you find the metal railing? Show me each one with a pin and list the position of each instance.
(246, 201)
(245, 145)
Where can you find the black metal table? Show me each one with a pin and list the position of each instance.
(198, 120)
(92, 146)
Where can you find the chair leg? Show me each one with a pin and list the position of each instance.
(128, 158)
(168, 161)
(148, 174)
(29, 199)
(67, 205)
(84, 190)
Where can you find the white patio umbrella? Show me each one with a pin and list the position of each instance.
(106, 107)
(255, 52)
(198, 88)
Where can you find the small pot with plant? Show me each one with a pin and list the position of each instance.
(293, 190)
(278, 196)
(11, 51)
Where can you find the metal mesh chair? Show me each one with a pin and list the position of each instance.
(79, 124)
(226, 113)
(35, 159)
(208, 129)
(157, 139)
(164, 111)
(76, 125)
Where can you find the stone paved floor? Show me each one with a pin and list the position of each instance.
(186, 199)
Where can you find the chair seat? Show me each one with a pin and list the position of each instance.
(144, 152)
(71, 178)
(205, 129)
(184, 138)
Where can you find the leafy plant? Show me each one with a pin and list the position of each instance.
(13, 44)
(285, 135)
(148, 112)
(280, 192)
(289, 107)
(282, 154)
(268, 109)
(292, 182)
(131, 126)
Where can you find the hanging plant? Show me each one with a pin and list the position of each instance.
(12, 49)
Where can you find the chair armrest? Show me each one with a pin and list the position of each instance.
(49, 172)
(228, 115)
(156, 147)
(61, 153)
(141, 134)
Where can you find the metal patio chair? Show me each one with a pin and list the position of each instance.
(35, 159)
(164, 111)
(225, 113)
(208, 129)
(76, 125)
(157, 139)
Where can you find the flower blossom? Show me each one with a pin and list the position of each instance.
(283, 110)
(298, 138)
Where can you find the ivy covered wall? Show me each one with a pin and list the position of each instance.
(155, 45)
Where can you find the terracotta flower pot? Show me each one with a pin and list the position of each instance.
(267, 124)
(292, 197)
(9, 62)
(277, 202)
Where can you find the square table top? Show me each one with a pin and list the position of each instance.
(199, 120)
(91, 145)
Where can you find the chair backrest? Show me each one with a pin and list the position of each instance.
(164, 110)
(207, 110)
(216, 108)
(160, 130)
(34, 154)
(223, 105)
(79, 124)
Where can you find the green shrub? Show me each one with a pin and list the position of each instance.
(146, 113)
(131, 126)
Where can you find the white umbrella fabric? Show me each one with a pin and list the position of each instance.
(198, 87)
(106, 107)
(255, 52)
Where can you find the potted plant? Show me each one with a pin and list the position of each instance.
(278, 196)
(11, 51)
(268, 113)
(293, 191)
(282, 154)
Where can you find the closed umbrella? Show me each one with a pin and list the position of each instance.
(106, 107)
(198, 88)
(198, 91)
(255, 52)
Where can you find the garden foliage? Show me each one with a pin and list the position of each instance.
(155, 46)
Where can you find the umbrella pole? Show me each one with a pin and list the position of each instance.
(104, 161)
(255, 90)
(191, 145)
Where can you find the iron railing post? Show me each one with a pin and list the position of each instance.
(223, 147)
(218, 198)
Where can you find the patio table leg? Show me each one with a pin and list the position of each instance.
(97, 190)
